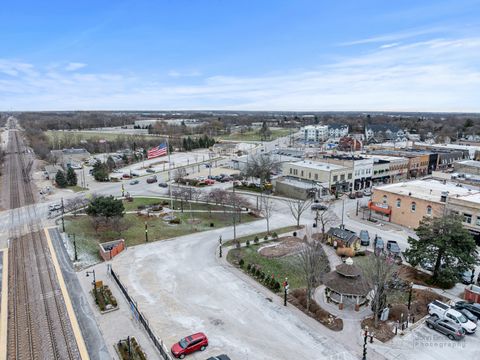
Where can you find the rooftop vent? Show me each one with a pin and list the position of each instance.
(443, 197)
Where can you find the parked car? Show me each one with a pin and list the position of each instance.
(359, 194)
(55, 207)
(474, 308)
(318, 207)
(163, 184)
(466, 277)
(445, 312)
(219, 357)
(352, 195)
(468, 315)
(152, 179)
(189, 345)
(151, 171)
(134, 173)
(378, 244)
(453, 331)
(134, 182)
(367, 192)
(364, 238)
(209, 182)
(126, 176)
(392, 247)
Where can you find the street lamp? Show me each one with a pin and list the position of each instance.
(220, 246)
(286, 287)
(94, 279)
(410, 295)
(366, 336)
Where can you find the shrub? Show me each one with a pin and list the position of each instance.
(295, 234)
(256, 240)
(257, 272)
(277, 286)
(141, 207)
(241, 262)
(274, 235)
(247, 242)
(249, 267)
(175, 221)
(237, 244)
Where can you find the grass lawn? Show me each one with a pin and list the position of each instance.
(134, 233)
(133, 206)
(255, 136)
(287, 266)
(89, 135)
(76, 188)
(261, 235)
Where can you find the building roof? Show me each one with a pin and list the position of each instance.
(347, 236)
(430, 190)
(471, 163)
(319, 165)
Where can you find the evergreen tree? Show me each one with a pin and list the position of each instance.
(71, 177)
(60, 179)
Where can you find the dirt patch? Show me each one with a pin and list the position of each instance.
(287, 245)
(421, 298)
(194, 221)
(298, 298)
(416, 276)
(383, 332)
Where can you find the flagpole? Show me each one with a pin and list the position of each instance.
(169, 174)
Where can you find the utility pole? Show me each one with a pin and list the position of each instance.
(234, 215)
(63, 213)
(169, 174)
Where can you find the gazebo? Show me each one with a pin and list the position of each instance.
(345, 285)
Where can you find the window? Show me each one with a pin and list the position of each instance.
(309, 175)
(399, 203)
(478, 221)
(467, 218)
(316, 176)
(301, 174)
(413, 207)
(342, 177)
(290, 171)
(350, 176)
(429, 210)
(335, 178)
(384, 199)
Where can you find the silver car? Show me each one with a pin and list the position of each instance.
(453, 331)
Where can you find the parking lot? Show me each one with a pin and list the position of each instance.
(427, 344)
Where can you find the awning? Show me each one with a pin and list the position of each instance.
(379, 208)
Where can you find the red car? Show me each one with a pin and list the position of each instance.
(189, 345)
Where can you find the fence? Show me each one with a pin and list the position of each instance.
(140, 317)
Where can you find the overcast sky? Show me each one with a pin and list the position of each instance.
(240, 55)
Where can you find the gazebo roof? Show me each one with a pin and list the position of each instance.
(346, 285)
(348, 269)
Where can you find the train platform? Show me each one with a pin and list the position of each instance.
(3, 302)
(86, 328)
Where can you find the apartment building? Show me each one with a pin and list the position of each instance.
(315, 133)
(339, 178)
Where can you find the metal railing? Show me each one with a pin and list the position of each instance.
(141, 317)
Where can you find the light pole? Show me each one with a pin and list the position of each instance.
(285, 287)
(366, 335)
(220, 246)
(63, 219)
(410, 296)
(146, 231)
(94, 279)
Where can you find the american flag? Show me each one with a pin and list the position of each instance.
(160, 150)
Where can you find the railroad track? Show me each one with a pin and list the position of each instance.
(38, 327)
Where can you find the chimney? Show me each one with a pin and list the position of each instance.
(443, 197)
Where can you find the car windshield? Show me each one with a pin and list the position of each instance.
(183, 343)
(462, 319)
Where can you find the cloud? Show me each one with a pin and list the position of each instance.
(392, 37)
(73, 66)
(432, 75)
(386, 46)
(191, 73)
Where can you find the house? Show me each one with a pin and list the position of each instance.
(349, 143)
(377, 133)
(69, 157)
(336, 131)
(341, 238)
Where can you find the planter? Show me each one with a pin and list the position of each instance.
(104, 299)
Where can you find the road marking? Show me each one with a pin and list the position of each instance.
(68, 303)
(4, 306)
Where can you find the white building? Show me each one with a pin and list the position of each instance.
(315, 133)
(337, 131)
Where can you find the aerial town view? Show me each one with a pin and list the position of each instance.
(240, 180)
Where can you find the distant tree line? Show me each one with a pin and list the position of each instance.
(201, 142)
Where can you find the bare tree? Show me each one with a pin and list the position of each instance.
(179, 174)
(314, 263)
(267, 207)
(298, 207)
(75, 204)
(219, 197)
(325, 217)
(377, 272)
(261, 167)
(182, 194)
